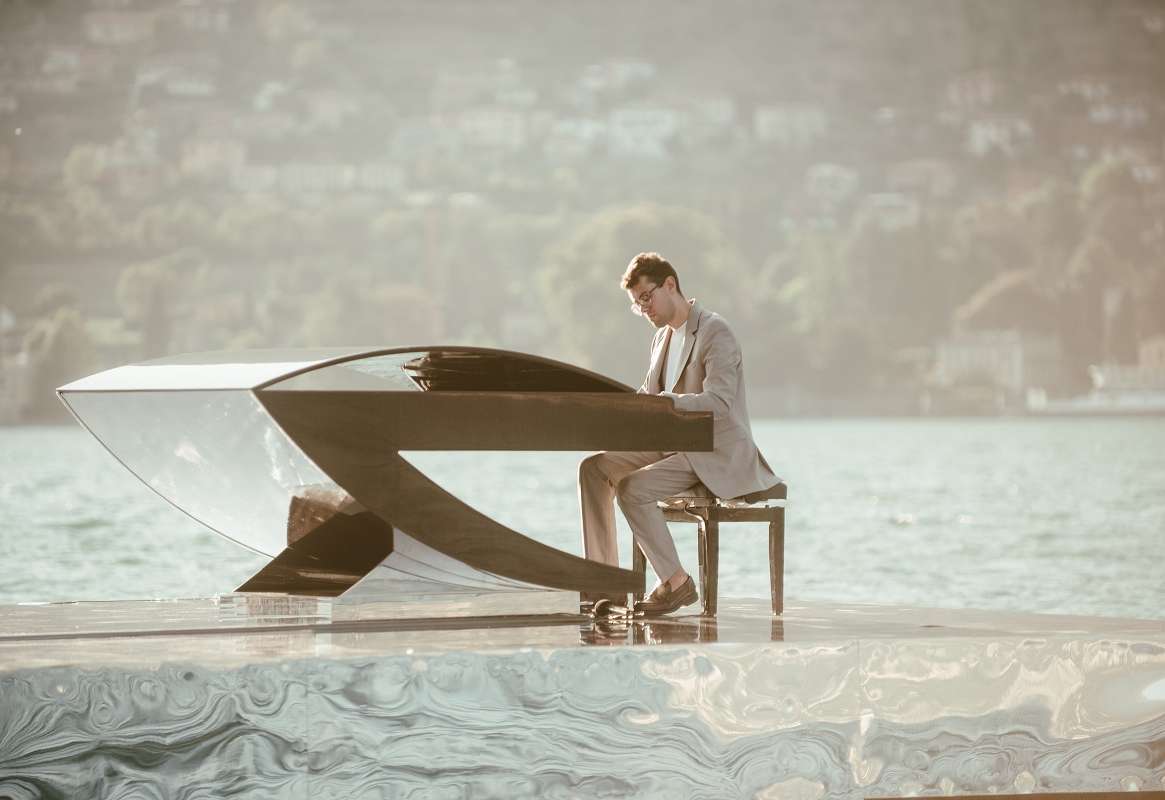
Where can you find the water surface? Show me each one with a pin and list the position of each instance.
(1063, 516)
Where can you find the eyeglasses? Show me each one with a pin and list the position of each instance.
(642, 301)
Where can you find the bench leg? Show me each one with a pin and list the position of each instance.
(711, 566)
(702, 554)
(777, 561)
(639, 566)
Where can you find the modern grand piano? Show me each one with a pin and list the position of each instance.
(295, 454)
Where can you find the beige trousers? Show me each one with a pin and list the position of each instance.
(638, 481)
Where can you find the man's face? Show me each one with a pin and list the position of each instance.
(656, 301)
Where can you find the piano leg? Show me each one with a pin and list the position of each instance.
(711, 567)
(702, 552)
(639, 567)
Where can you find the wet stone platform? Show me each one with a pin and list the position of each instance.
(272, 696)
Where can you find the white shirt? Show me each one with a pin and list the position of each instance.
(674, 348)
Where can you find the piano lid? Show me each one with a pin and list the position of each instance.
(221, 369)
(475, 399)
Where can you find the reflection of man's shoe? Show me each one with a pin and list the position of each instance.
(669, 631)
(605, 631)
(665, 600)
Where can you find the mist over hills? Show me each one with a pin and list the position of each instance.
(851, 184)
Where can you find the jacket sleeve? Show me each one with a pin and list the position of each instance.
(721, 358)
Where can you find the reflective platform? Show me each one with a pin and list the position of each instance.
(275, 696)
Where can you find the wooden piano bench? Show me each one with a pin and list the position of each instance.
(708, 511)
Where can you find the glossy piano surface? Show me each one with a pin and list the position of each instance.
(244, 442)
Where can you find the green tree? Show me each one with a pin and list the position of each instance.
(59, 350)
(1115, 270)
(578, 282)
(349, 311)
(184, 223)
(260, 228)
(53, 296)
(148, 293)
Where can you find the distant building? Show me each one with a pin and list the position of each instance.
(831, 183)
(990, 371)
(1123, 115)
(795, 126)
(178, 78)
(1148, 173)
(892, 211)
(493, 128)
(539, 124)
(420, 137)
(329, 109)
(1117, 389)
(211, 156)
(708, 120)
(300, 177)
(523, 97)
(9, 334)
(719, 111)
(1005, 134)
(14, 373)
(61, 60)
(307, 177)
(380, 177)
(574, 138)
(927, 177)
(972, 92)
(642, 132)
(119, 27)
(1009, 359)
(263, 125)
(1086, 88)
(615, 75)
(1147, 374)
(48, 84)
(255, 178)
(1151, 353)
(202, 17)
(465, 86)
(53, 69)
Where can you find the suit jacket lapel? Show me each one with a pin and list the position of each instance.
(689, 342)
(655, 374)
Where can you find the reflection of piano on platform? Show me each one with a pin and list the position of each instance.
(332, 542)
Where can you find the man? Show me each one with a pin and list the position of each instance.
(696, 361)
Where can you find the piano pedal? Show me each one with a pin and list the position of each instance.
(608, 609)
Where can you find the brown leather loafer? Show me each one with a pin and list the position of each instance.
(665, 600)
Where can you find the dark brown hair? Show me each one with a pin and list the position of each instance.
(652, 266)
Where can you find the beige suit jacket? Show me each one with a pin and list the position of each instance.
(711, 378)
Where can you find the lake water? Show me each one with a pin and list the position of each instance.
(1064, 516)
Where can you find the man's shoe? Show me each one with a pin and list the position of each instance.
(665, 600)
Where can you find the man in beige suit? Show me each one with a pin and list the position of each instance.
(696, 361)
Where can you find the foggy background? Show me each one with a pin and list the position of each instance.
(900, 206)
